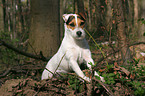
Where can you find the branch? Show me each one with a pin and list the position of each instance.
(136, 43)
(105, 87)
(38, 57)
(115, 51)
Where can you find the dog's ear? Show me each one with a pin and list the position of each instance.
(68, 18)
(83, 15)
(65, 17)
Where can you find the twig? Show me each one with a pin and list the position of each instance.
(89, 88)
(39, 89)
(60, 62)
(52, 73)
(136, 43)
(97, 45)
(105, 87)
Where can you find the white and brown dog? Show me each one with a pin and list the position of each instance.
(74, 50)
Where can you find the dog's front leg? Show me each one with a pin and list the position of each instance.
(90, 61)
(87, 57)
(74, 65)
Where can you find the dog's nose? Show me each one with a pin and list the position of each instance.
(79, 33)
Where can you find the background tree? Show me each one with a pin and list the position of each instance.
(141, 15)
(80, 6)
(45, 31)
(1, 17)
(121, 29)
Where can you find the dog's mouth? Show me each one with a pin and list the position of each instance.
(80, 37)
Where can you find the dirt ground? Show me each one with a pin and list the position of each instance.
(30, 87)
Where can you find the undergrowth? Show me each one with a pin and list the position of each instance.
(117, 79)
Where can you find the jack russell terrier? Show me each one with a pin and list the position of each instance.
(74, 50)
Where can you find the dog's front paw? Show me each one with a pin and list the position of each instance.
(87, 79)
(102, 79)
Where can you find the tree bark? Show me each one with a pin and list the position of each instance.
(109, 19)
(121, 31)
(1, 17)
(5, 17)
(89, 15)
(142, 15)
(80, 6)
(45, 27)
(21, 15)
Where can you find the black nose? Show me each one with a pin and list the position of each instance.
(79, 33)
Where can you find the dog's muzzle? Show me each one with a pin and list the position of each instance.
(79, 33)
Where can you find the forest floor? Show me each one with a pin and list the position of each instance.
(120, 81)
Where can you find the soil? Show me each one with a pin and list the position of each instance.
(30, 87)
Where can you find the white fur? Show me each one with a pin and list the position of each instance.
(73, 51)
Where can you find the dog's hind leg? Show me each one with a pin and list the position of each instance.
(49, 70)
(44, 74)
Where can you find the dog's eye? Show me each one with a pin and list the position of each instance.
(82, 23)
(72, 25)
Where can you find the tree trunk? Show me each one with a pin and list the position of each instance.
(1, 18)
(109, 19)
(142, 15)
(89, 16)
(80, 6)
(121, 31)
(45, 27)
(5, 16)
(21, 16)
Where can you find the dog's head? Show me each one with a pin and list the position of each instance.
(75, 24)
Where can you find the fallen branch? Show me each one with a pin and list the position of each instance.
(38, 57)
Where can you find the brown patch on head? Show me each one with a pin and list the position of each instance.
(71, 22)
(83, 16)
(81, 21)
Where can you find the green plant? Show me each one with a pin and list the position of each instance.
(134, 81)
(75, 84)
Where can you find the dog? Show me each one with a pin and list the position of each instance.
(74, 50)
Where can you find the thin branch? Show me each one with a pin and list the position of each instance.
(38, 57)
(115, 51)
(60, 62)
(105, 87)
(136, 43)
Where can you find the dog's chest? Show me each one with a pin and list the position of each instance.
(80, 57)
